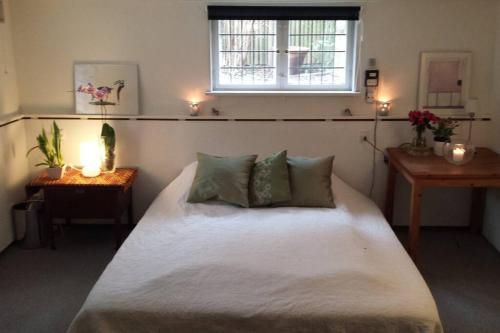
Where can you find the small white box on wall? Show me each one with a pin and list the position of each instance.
(106, 87)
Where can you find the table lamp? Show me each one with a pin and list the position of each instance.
(90, 159)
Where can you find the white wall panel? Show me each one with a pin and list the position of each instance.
(13, 175)
(162, 148)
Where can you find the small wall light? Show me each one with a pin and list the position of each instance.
(195, 108)
(383, 108)
(90, 159)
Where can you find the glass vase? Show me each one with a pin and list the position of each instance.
(108, 157)
(418, 146)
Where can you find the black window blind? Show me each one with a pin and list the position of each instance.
(283, 13)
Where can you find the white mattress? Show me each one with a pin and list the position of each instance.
(217, 268)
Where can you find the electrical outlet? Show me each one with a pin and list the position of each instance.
(363, 136)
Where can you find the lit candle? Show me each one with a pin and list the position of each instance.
(90, 159)
(458, 154)
(195, 108)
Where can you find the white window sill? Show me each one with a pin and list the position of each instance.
(282, 93)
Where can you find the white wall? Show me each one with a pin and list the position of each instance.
(13, 166)
(492, 213)
(169, 41)
(13, 175)
(162, 148)
(9, 101)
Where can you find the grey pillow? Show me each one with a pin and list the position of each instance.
(310, 181)
(270, 182)
(222, 178)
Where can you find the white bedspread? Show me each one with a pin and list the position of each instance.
(217, 268)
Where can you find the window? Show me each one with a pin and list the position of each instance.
(283, 55)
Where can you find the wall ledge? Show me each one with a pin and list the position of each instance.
(10, 118)
(291, 93)
(484, 117)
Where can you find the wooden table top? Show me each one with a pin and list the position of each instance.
(122, 177)
(485, 164)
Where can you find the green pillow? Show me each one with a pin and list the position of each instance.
(310, 181)
(222, 178)
(270, 182)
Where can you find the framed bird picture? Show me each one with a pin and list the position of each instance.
(106, 88)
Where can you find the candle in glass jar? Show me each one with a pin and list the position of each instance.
(458, 154)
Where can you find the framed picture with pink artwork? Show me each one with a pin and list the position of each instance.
(106, 88)
(444, 82)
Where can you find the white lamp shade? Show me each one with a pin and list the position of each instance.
(472, 106)
(90, 158)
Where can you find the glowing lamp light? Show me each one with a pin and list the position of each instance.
(90, 159)
(195, 108)
(383, 108)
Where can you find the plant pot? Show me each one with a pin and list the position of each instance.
(56, 173)
(438, 147)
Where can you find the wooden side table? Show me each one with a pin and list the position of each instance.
(434, 171)
(107, 196)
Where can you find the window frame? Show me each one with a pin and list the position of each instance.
(282, 64)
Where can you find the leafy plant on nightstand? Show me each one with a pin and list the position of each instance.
(50, 147)
(443, 133)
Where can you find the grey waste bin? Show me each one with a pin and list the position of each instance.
(28, 226)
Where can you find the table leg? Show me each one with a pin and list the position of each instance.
(118, 232)
(477, 209)
(415, 211)
(389, 193)
(130, 210)
(50, 230)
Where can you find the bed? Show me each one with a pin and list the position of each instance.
(218, 268)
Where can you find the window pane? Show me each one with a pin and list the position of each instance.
(317, 53)
(247, 52)
(340, 43)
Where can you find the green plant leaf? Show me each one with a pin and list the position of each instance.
(50, 147)
(31, 149)
(108, 135)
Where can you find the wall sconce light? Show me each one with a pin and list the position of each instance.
(383, 108)
(195, 108)
(90, 159)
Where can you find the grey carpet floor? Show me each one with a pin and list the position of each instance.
(42, 290)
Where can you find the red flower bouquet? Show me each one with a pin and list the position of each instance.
(421, 120)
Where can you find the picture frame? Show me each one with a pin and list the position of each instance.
(444, 82)
(118, 80)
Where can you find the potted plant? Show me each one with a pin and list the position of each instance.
(420, 120)
(100, 97)
(442, 134)
(50, 147)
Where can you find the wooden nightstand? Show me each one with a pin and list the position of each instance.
(107, 196)
(434, 171)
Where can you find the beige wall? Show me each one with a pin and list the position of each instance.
(162, 148)
(169, 41)
(492, 214)
(13, 174)
(13, 165)
(9, 101)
